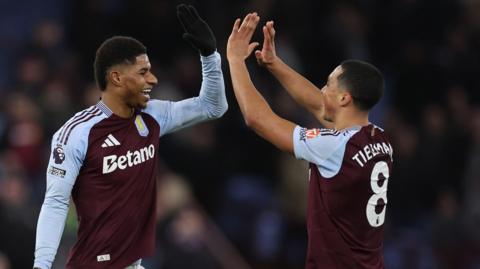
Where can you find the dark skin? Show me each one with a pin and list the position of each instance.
(128, 86)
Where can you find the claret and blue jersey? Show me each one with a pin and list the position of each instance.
(347, 196)
(108, 165)
(117, 158)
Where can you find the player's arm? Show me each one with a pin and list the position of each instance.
(51, 222)
(302, 90)
(200, 36)
(211, 103)
(64, 165)
(256, 111)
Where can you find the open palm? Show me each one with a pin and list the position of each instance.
(238, 45)
(267, 55)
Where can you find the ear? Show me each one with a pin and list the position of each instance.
(114, 76)
(345, 98)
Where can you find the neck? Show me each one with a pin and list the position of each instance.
(116, 104)
(348, 118)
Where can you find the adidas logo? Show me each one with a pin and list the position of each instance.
(110, 141)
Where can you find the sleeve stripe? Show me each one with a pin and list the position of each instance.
(72, 121)
(77, 119)
(97, 113)
(332, 132)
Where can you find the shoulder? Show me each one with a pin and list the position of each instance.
(160, 110)
(77, 126)
(317, 145)
(154, 105)
(323, 134)
(371, 133)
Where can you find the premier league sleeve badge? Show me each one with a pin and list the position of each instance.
(58, 154)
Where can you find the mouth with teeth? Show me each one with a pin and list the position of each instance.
(146, 92)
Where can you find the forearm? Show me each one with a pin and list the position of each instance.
(51, 223)
(211, 103)
(302, 90)
(257, 113)
(251, 102)
(212, 92)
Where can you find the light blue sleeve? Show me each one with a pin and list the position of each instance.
(323, 147)
(63, 168)
(211, 103)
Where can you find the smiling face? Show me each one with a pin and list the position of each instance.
(136, 82)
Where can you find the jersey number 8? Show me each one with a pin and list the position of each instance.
(380, 193)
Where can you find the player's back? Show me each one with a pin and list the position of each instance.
(347, 196)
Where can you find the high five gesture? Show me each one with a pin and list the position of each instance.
(267, 55)
(239, 46)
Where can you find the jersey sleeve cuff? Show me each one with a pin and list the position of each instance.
(214, 57)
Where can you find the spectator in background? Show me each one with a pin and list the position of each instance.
(471, 188)
(4, 262)
(187, 236)
(17, 235)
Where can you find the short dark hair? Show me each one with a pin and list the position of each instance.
(364, 82)
(113, 51)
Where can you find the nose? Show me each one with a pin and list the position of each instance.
(152, 79)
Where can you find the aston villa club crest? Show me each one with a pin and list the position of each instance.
(141, 126)
(58, 154)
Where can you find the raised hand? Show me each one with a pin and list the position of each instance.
(197, 31)
(267, 55)
(239, 46)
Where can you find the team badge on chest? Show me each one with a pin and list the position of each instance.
(141, 126)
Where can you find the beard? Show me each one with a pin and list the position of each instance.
(138, 105)
(136, 101)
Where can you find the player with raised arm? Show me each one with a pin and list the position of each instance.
(105, 156)
(350, 164)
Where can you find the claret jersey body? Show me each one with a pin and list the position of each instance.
(347, 196)
(110, 165)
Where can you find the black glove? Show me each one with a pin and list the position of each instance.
(197, 31)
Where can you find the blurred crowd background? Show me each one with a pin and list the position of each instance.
(226, 198)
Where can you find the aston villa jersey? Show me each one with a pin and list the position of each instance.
(347, 196)
(114, 191)
(108, 165)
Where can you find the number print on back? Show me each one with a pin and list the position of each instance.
(379, 183)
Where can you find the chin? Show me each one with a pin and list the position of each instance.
(142, 105)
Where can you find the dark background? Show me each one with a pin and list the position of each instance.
(228, 199)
